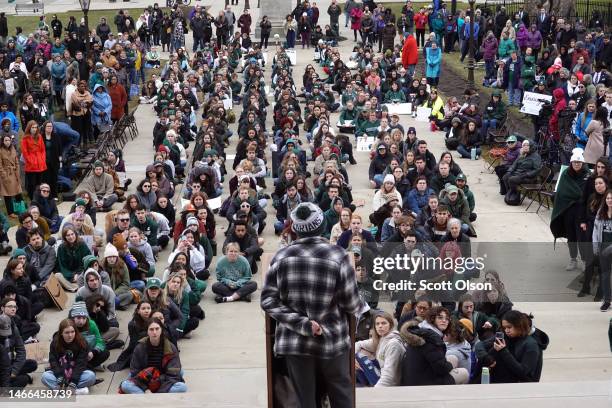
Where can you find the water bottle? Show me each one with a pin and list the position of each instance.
(473, 153)
(485, 378)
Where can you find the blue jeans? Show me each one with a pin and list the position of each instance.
(279, 225)
(290, 39)
(486, 124)
(410, 70)
(514, 96)
(88, 378)
(138, 284)
(129, 387)
(465, 228)
(610, 149)
(489, 69)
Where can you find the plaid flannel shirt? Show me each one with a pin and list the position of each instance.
(311, 280)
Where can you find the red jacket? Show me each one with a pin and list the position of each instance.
(420, 21)
(560, 104)
(410, 52)
(34, 154)
(119, 99)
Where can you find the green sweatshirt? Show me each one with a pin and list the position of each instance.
(93, 337)
(233, 273)
(70, 259)
(391, 96)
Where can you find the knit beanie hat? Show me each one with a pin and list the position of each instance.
(97, 164)
(119, 242)
(78, 309)
(389, 179)
(308, 220)
(110, 249)
(81, 202)
(18, 252)
(467, 323)
(88, 260)
(192, 221)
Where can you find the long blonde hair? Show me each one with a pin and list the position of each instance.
(178, 297)
(375, 337)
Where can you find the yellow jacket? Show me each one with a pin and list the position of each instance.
(437, 108)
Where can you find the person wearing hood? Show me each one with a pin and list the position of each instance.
(461, 183)
(18, 365)
(101, 186)
(458, 343)
(119, 98)
(456, 202)
(567, 210)
(534, 40)
(378, 165)
(512, 75)
(582, 122)
(524, 169)
(88, 329)
(91, 261)
(489, 54)
(516, 356)
(146, 196)
(559, 103)
(528, 73)
(40, 254)
(93, 285)
(425, 361)
(494, 115)
(101, 110)
(386, 347)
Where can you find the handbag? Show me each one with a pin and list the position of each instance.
(19, 207)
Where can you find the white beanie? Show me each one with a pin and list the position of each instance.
(577, 155)
(389, 179)
(110, 250)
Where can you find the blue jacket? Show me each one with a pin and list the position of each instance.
(416, 201)
(101, 103)
(11, 116)
(433, 58)
(466, 30)
(579, 130)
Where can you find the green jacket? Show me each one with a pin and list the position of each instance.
(120, 282)
(495, 111)
(349, 115)
(197, 289)
(331, 219)
(469, 196)
(93, 337)
(391, 96)
(506, 46)
(367, 125)
(70, 259)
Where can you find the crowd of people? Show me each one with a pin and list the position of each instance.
(422, 203)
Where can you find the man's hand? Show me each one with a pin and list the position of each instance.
(487, 325)
(89, 356)
(316, 328)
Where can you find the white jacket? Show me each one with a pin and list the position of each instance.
(389, 355)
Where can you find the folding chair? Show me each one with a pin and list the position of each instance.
(547, 195)
(537, 187)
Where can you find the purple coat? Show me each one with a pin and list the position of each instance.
(534, 39)
(512, 154)
(489, 48)
(521, 36)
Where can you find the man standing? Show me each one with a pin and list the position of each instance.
(244, 22)
(309, 289)
(334, 12)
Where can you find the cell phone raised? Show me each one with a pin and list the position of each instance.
(499, 335)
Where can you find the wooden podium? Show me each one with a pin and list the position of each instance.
(275, 364)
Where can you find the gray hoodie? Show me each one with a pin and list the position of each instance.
(463, 352)
(106, 292)
(43, 260)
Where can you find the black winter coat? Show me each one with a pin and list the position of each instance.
(424, 362)
(519, 361)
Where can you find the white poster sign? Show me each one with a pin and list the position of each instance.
(532, 102)
(399, 108)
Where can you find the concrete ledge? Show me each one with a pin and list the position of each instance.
(591, 394)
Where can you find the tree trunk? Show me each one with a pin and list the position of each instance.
(532, 8)
(565, 9)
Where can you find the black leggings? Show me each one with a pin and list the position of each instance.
(33, 180)
(420, 37)
(577, 241)
(99, 357)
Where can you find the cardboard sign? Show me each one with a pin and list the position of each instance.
(399, 108)
(56, 292)
(38, 352)
(532, 102)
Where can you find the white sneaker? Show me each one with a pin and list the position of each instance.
(82, 391)
(572, 265)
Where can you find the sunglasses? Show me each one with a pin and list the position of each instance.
(124, 220)
(44, 191)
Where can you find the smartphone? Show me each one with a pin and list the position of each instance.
(499, 335)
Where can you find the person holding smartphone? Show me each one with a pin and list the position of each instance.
(513, 355)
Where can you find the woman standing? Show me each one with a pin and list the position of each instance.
(34, 154)
(594, 131)
(356, 14)
(80, 115)
(53, 152)
(266, 28)
(566, 211)
(290, 28)
(385, 346)
(433, 59)
(305, 28)
(68, 361)
(10, 177)
(154, 357)
(119, 100)
(602, 247)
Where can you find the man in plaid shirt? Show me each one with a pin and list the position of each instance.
(309, 290)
